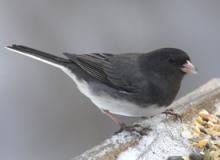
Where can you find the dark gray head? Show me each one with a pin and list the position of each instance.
(170, 61)
(165, 69)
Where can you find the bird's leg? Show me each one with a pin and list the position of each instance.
(115, 120)
(123, 127)
(172, 113)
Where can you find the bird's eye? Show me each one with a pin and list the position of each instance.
(171, 60)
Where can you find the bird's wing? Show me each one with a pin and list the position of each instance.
(109, 69)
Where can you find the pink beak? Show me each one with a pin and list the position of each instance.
(189, 68)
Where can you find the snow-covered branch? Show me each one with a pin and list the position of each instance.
(167, 137)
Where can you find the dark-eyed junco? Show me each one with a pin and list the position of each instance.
(130, 84)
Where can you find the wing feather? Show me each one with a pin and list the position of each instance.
(105, 68)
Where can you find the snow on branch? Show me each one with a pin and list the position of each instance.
(167, 137)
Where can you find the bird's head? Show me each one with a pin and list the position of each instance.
(171, 60)
(180, 60)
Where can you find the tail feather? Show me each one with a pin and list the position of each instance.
(39, 55)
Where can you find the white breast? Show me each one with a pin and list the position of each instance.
(116, 106)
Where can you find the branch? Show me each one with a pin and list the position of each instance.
(167, 138)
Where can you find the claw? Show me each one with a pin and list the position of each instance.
(123, 127)
(137, 128)
(172, 113)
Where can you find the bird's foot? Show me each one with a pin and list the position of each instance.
(173, 113)
(137, 128)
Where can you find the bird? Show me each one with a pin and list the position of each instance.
(127, 84)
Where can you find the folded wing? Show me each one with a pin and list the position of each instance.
(107, 69)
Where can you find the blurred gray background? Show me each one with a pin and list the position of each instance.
(42, 114)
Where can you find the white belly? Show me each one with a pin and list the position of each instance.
(125, 108)
(116, 106)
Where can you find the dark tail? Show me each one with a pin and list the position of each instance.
(39, 55)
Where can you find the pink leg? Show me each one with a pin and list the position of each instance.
(124, 127)
(114, 118)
